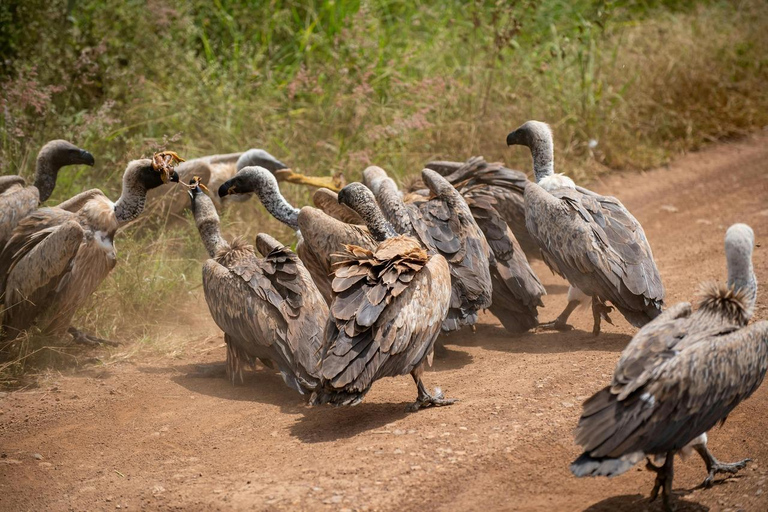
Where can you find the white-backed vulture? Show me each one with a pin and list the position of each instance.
(591, 240)
(505, 185)
(328, 201)
(387, 311)
(268, 308)
(681, 374)
(212, 171)
(443, 221)
(320, 236)
(517, 290)
(56, 258)
(17, 201)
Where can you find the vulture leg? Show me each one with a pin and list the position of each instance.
(82, 338)
(236, 358)
(561, 322)
(664, 476)
(424, 399)
(714, 466)
(600, 311)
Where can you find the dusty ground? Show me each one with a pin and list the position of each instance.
(145, 434)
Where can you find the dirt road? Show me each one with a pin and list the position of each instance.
(146, 435)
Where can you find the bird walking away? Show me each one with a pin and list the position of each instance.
(268, 308)
(57, 257)
(682, 373)
(389, 304)
(443, 222)
(17, 200)
(320, 236)
(591, 240)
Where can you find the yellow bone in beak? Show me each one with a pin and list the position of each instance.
(335, 182)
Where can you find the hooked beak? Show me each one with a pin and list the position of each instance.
(86, 158)
(174, 177)
(225, 190)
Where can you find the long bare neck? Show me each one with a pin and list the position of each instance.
(543, 154)
(46, 171)
(270, 196)
(741, 274)
(393, 207)
(131, 201)
(210, 234)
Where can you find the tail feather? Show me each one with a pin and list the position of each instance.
(587, 465)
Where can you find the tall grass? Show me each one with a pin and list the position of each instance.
(335, 86)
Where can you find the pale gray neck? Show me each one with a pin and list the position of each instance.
(131, 201)
(543, 154)
(270, 196)
(393, 207)
(368, 210)
(210, 233)
(741, 274)
(45, 175)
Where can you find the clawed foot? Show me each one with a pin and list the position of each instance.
(722, 467)
(663, 482)
(600, 312)
(210, 371)
(426, 400)
(555, 325)
(82, 338)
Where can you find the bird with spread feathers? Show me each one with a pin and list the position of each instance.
(591, 240)
(17, 200)
(389, 304)
(681, 374)
(268, 308)
(320, 235)
(517, 290)
(57, 257)
(443, 222)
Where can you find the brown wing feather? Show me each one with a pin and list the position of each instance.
(328, 201)
(15, 203)
(385, 317)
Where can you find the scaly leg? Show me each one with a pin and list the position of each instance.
(600, 310)
(664, 476)
(424, 399)
(714, 466)
(561, 322)
(82, 338)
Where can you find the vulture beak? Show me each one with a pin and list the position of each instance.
(174, 177)
(512, 138)
(87, 158)
(225, 190)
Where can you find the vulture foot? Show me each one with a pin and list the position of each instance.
(425, 400)
(664, 476)
(714, 466)
(600, 312)
(556, 325)
(82, 338)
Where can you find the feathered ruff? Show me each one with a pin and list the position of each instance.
(413, 183)
(723, 301)
(229, 256)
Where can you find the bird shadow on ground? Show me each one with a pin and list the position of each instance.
(327, 423)
(638, 502)
(261, 385)
(492, 337)
(448, 359)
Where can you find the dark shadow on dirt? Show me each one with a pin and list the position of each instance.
(638, 502)
(261, 385)
(449, 359)
(326, 423)
(494, 337)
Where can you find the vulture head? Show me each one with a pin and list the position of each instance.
(538, 137)
(359, 198)
(264, 184)
(260, 158)
(52, 157)
(143, 175)
(373, 177)
(739, 244)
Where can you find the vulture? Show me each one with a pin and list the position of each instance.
(18, 201)
(591, 240)
(57, 257)
(268, 308)
(681, 374)
(387, 311)
(505, 186)
(444, 224)
(328, 201)
(212, 171)
(516, 290)
(320, 236)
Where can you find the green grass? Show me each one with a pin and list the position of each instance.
(338, 85)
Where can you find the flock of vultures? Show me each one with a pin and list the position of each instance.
(379, 272)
